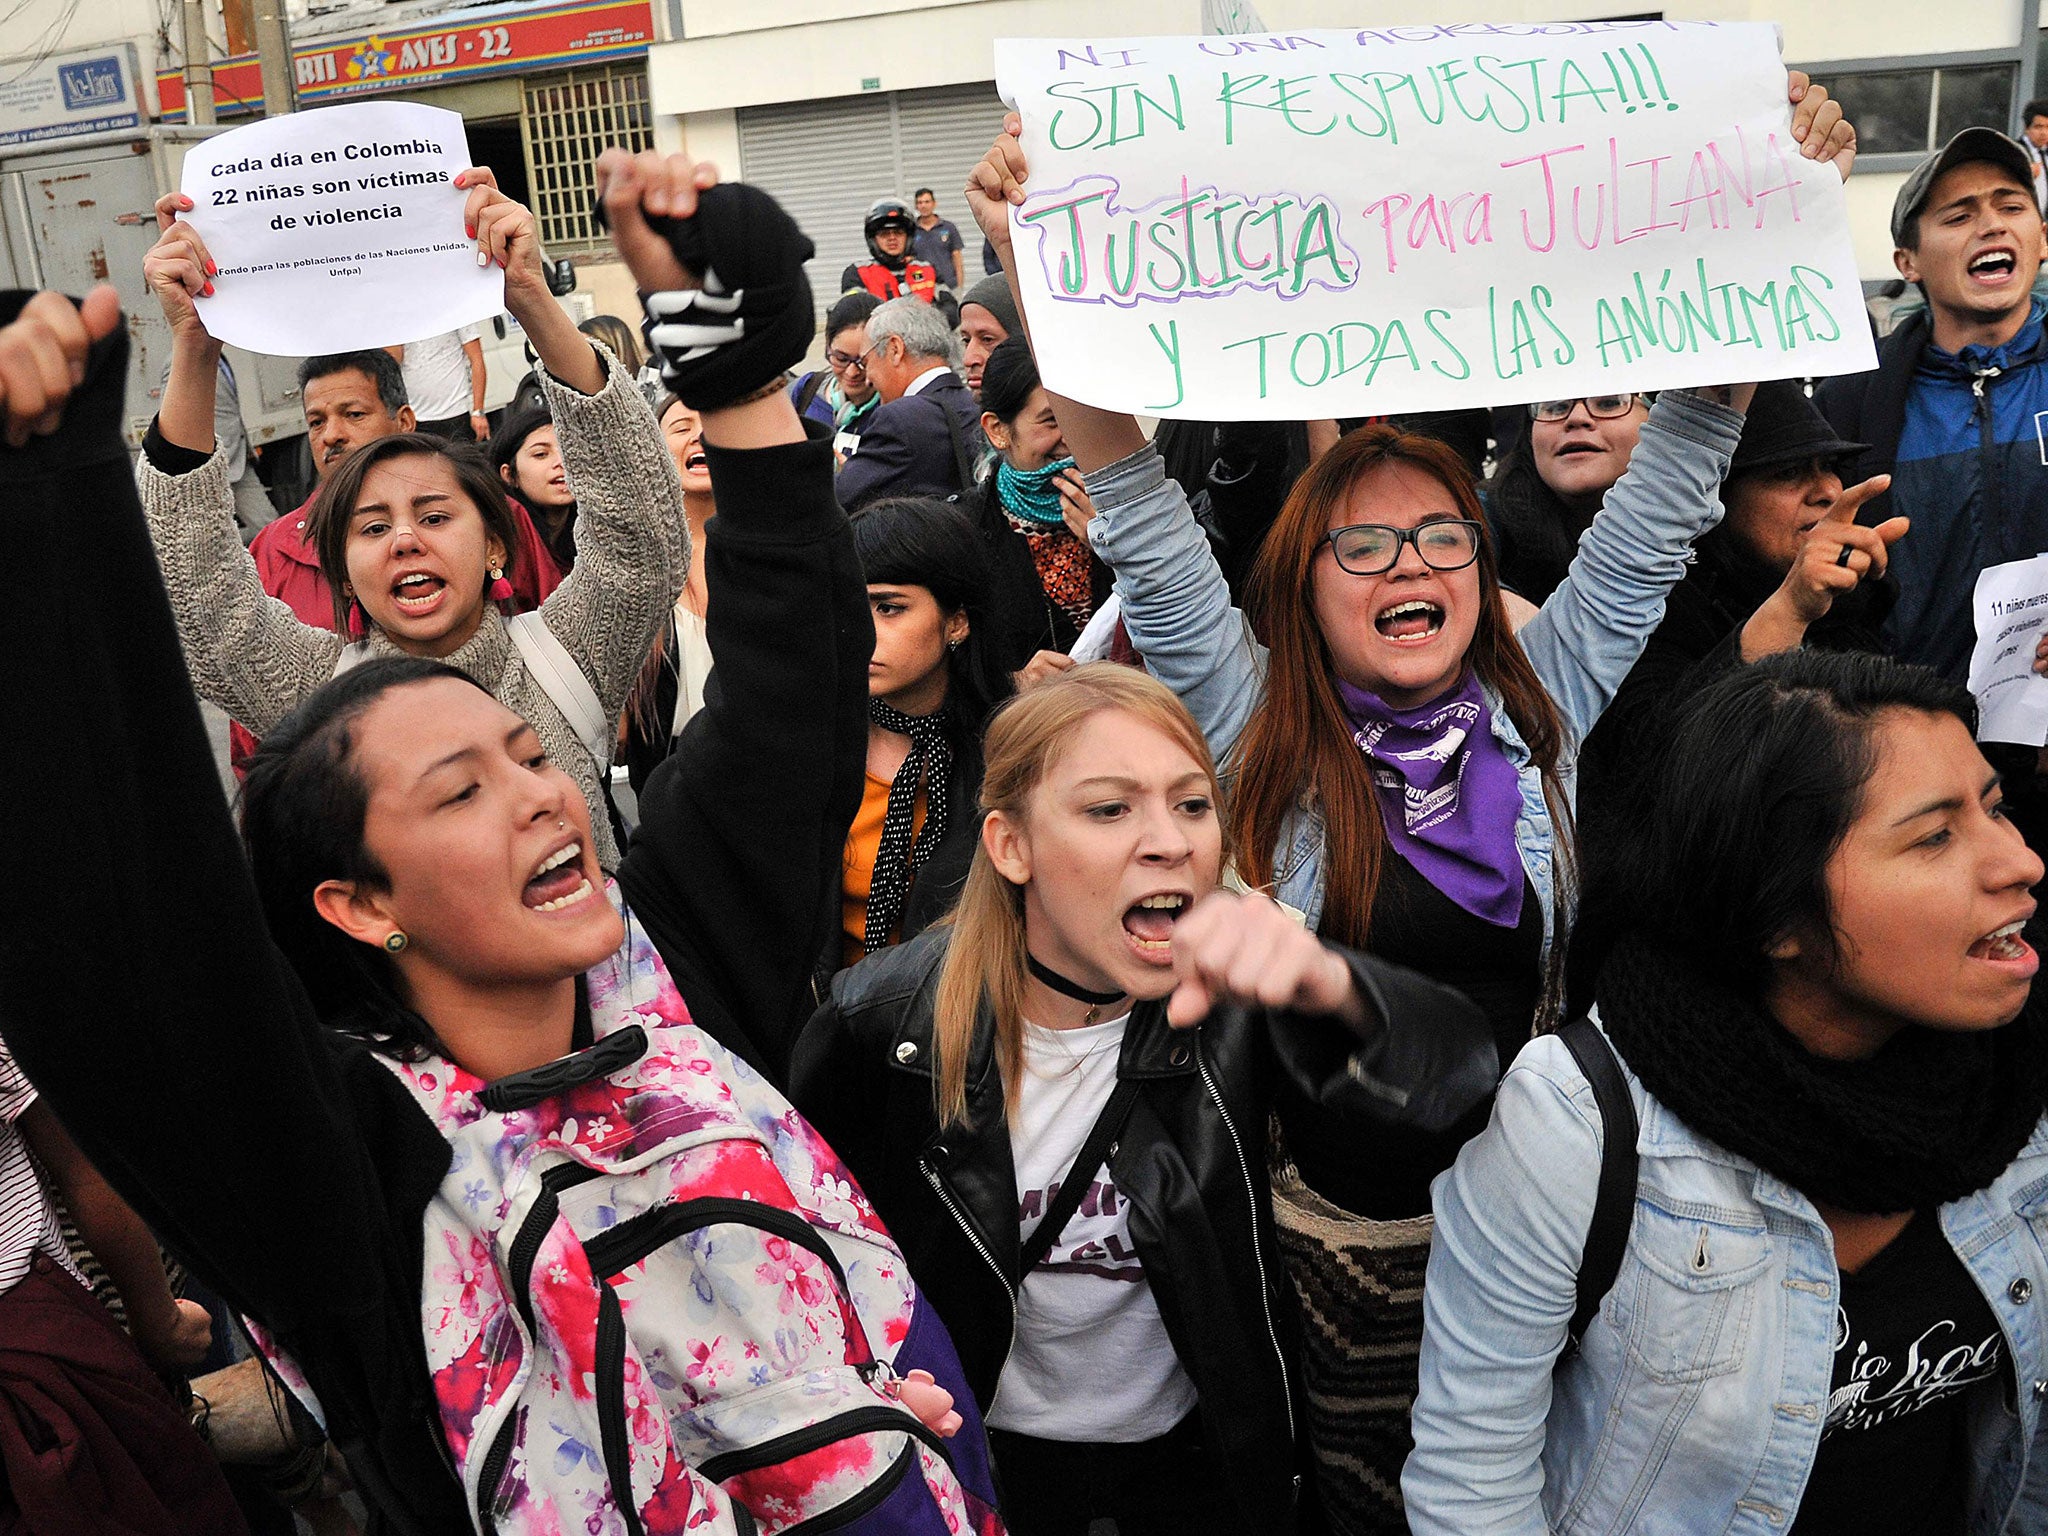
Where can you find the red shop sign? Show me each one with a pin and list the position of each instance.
(487, 42)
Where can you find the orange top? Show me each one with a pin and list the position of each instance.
(863, 842)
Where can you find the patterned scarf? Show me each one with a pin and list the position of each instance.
(1030, 494)
(1447, 794)
(845, 417)
(898, 859)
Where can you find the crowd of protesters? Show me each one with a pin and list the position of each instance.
(1497, 1004)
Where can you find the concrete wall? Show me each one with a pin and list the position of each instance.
(800, 50)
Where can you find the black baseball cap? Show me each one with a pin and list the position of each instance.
(1972, 144)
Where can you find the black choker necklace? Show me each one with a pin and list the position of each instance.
(1073, 989)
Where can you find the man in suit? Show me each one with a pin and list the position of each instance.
(2034, 140)
(925, 438)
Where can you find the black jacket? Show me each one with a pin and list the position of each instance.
(906, 448)
(139, 990)
(1870, 408)
(936, 884)
(1026, 621)
(1698, 640)
(1699, 637)
(1191, 1161)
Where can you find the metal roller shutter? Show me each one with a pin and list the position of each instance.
(826, 161)
(943, 133)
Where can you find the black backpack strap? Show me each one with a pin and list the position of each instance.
(1094, 1152)
(807, 391)
(1614, 1207)
(963, 461)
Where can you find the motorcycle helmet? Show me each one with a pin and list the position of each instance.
(890, 213)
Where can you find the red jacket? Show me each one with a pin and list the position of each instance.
(290, 570)
(917, 280)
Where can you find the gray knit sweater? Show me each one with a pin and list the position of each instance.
(250, 654)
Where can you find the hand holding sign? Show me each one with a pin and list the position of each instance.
(996, 185)
(1817, 123)
(178, 268)
(506, 235)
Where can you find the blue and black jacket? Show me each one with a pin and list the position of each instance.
(1964, 436)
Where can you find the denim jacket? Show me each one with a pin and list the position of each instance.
(1698, 1396)
(1177, 610)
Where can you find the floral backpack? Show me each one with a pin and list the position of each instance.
(655, 1300)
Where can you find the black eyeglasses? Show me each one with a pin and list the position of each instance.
(1599, 407)
(1367, 549)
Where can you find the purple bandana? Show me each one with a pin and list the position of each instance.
(1448, 795)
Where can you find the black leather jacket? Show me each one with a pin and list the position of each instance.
(1191, 1163)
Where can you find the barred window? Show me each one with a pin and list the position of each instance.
(1913, 111)
(569, 120)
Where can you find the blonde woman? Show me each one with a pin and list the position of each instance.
(1100, 1020)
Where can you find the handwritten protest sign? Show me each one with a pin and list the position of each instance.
(1332, 223)
(338, 229)
(2010, 605)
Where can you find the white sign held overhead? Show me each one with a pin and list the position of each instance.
(338, 229)
(1315, 224)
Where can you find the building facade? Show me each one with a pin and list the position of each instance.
(833, 103)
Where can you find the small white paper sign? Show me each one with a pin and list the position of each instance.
(1094, 641)
(338, 229)
(1401, 218)
(2011, 610)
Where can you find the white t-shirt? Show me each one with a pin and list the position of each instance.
(437, 382)
(28, 1222)
(1091, 1361)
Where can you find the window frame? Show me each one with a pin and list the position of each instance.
(1932, 63)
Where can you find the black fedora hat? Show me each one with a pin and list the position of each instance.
(1784, 427)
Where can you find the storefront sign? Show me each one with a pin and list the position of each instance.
(92, 91)
(338, 229)
(463, 45)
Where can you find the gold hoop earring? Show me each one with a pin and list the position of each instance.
(395, 942)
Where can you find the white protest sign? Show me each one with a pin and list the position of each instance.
(1328, 223)
(2011, 609)
(338, 229)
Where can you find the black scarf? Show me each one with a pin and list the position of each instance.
(1930, 1118)
(897, 859)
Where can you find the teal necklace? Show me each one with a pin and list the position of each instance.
(1030, 493)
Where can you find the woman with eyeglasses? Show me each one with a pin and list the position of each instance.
(841, 395)
(1546, 489)
(1402, 776)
